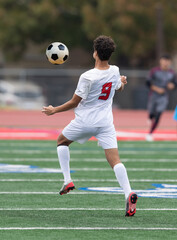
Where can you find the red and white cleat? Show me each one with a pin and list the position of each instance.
(131, 204)
(66, 188)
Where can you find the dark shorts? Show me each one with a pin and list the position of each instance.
(157, 103)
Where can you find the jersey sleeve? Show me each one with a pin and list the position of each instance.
(83, 87)
(119, 83)
(174, 79)
(150, 78)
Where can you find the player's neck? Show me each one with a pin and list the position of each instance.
(164, 68)
(101, 65)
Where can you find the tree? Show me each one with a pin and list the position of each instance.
(31, 21)
(132, 24)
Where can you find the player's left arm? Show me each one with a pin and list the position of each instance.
(73, 103)
(123, 82)
(172, 84)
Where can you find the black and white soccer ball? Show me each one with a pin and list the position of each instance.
(57, 53)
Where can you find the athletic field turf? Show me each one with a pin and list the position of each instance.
(32, 209)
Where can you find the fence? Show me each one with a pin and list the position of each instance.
(58, 85)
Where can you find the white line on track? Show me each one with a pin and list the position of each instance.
(89, 228)
(86, 180)
(42, 144)
(85, 209)
(153, 145)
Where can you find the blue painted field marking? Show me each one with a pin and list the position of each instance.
(16, 168)
(161, 191)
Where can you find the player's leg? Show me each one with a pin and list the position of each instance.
(112, 157)
(157, 108)
(64, 156)
(64, 159)
(161, 105)
(151, 117)
(71, 133)
(107, 139)
(151, 120)
(155, 122)
(122, 178)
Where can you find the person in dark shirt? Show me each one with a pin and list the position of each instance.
(160, 81)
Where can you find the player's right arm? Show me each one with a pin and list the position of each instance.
(173, 83)
(81, 92)
(73, 103)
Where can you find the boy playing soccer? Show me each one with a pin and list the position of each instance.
(92, 101)
(161, 80)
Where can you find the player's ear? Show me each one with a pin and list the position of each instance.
(95, 54)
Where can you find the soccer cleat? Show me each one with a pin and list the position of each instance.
(149, 138)
(66, 188)
(131, 204)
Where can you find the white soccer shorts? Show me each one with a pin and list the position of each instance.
(76, 132)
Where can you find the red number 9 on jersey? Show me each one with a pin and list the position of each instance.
(105, 92)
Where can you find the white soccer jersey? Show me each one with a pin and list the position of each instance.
(97, 88)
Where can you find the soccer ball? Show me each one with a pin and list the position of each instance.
(57, 53)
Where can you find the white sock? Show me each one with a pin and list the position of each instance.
(122, 178)
(64, 158)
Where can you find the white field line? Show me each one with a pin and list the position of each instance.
(30, 159)
(72, 193)
(85, 209)
(56, 193)
(124, 160)
(128, 169)
(86, 180)
(27, 151)
(84, 160)
(89, 228)
(128, 152)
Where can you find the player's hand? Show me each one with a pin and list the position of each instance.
(123, 79)
(170, 86)
(161, 91)
(158, 90)
(48, 110)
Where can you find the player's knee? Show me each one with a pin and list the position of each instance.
(62, 144)
(151, 115)
(157, 117)
(63, 141)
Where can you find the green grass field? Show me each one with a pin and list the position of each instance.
(32, 209)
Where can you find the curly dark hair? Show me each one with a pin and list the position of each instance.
(166, 56)
(104, 46)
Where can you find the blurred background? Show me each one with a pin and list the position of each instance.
(142, 30)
